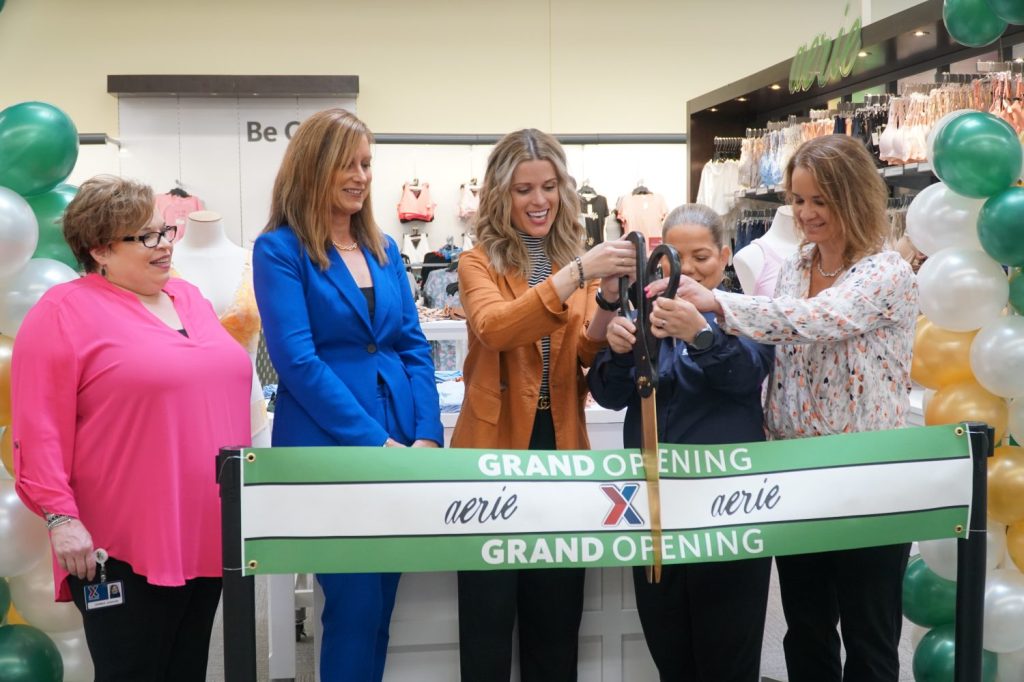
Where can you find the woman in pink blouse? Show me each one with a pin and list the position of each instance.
(124, 387)
(843, 319)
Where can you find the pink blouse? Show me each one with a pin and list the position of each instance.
(118, 420)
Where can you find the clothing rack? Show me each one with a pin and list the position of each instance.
(600, 138)
(995, 67)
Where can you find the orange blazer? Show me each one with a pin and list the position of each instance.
(506, 320)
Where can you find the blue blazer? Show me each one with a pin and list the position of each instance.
(344, 379)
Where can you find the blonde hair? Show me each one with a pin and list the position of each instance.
(304, 188)
(494, 230)
(851, 189)
(104, 209)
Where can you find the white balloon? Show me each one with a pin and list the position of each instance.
(74, 650)
(997, 356)
(962, 289)
(32, 594)
(940, 555)
(1004, 611)
(19, 232)
(939, 218)
(1017, 420)
(939, 125)
(21, 291)
(1010, 667)
(23, 537)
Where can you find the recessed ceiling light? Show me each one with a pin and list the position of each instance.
(713, 109)
(863, 53)
(920, 33)
(741, 99)
(776, 86)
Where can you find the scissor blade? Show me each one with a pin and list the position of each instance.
(649, 450)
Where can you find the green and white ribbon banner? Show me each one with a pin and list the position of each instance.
(392, 509)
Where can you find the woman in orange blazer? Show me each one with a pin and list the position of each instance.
(532, 307)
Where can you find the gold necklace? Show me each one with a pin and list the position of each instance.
(828, 275)
(349, 247)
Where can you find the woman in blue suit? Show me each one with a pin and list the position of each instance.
(344, 336)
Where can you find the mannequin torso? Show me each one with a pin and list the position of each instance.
(208, 259)
(757, 264)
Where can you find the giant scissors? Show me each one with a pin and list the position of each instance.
(645, 356)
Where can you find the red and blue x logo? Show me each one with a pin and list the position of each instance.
(622, 504)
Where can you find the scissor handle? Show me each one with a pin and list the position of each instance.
(674, 268)
(640, 245)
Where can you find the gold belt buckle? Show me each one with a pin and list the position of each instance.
(544, 402)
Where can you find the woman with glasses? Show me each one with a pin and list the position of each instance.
(124, 387)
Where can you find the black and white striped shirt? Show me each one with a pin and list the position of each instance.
(540, 270)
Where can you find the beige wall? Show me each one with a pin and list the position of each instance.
(453, 66)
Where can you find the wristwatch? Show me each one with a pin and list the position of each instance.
(704, 338)
(603, 303)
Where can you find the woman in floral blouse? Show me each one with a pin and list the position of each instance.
(842, 319)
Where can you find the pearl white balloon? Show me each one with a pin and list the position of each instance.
(1004, 611)
(962, 289)
(23, 538)
(997, 356)
(1017, 420)
(23, 289)
(32, 594)
(1010, 667)
(940, 555)
(939, 125)
(19, 232)
(74, 651)
(939, 218)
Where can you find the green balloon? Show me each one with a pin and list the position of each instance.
(972, 22)
(49, 209)
(5, 599)
(2, 5)
(977, 155)
(1017, 290)
(933, 658)
(1010, 11)
(928, 599)
(28, 655)
(38, 147)
(1001, 227)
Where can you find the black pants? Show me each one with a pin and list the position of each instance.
(157, 634)
(705, 622)
(859, 589)
(547, 601)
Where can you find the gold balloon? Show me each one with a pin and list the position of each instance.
(1006, 486)
(7, 451)
(6, 350)
(14, 618)
(1015, 544)
(968, 401)
(941, 357)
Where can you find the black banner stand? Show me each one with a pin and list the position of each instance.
(970, 562)
(240, 595)
(239, 592)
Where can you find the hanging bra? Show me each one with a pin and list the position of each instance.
(415, 203)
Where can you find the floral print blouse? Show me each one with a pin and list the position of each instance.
(842, 361)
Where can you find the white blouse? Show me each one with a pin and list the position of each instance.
(842, 362)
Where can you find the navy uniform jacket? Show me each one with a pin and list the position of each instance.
(704, 397)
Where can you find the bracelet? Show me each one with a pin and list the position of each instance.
(579, 265)
(604, 304)
(54, 520)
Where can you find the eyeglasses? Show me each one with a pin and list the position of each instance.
(152, 239)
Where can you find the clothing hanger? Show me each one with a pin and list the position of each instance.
(640, 188)
(179, 192)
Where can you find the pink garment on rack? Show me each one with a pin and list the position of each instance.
(415, 203)
(175, 210)
(642, 213)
